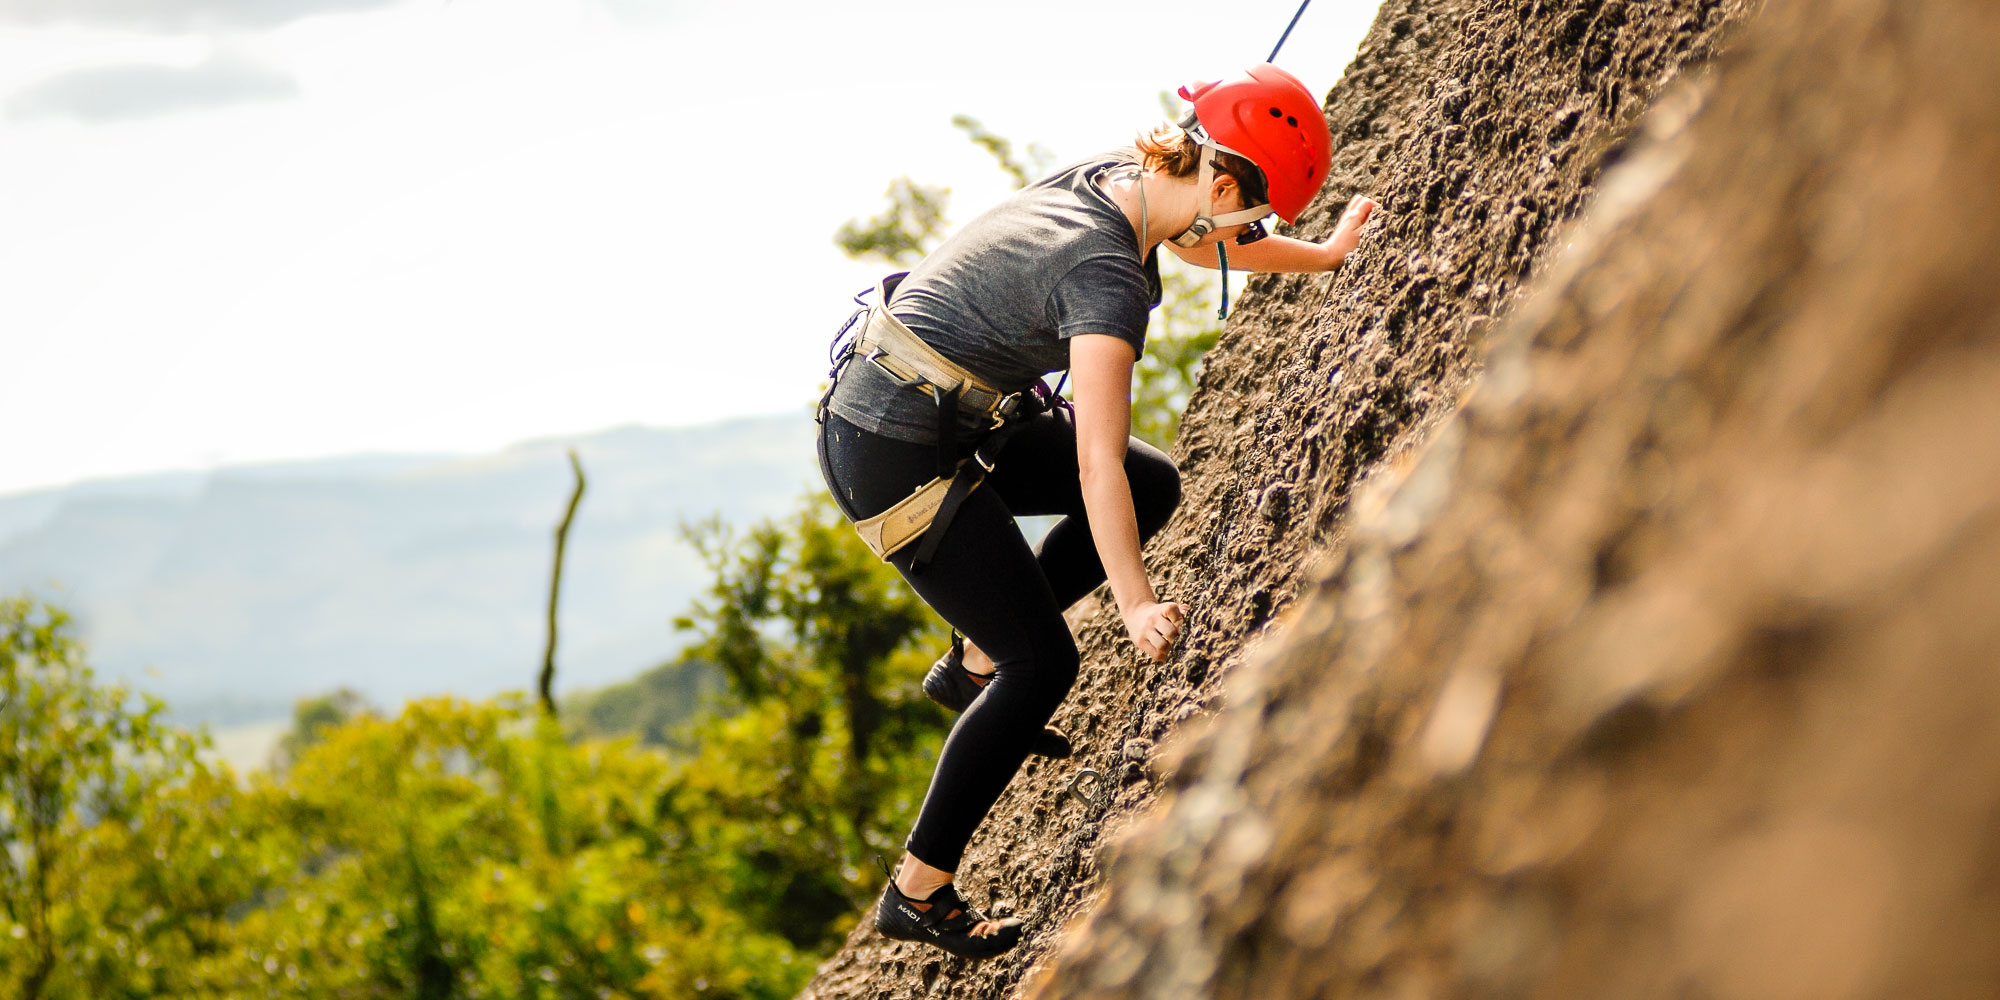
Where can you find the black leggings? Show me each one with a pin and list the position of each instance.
(989, 585)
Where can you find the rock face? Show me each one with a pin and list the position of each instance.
(1665, 665)
(1672, 667)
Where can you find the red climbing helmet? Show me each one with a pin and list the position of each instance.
(1268, 117)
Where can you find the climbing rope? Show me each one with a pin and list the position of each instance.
(1221, 255)
(1288, 32)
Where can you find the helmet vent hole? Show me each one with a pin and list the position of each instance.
(1293, 122)
(1276, 113)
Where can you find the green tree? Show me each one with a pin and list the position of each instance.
(313, 717)
(1182, 331)
(461, 850)
(829, 743)
(84, 872)
(657, 707)
(1023, 171)
(906, 230)
(471, 850)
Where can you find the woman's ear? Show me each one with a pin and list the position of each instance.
(1222, 189)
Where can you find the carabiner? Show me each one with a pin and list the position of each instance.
(1083, 777)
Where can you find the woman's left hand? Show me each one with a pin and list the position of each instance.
(1347, 232)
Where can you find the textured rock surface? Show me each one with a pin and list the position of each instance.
(1482, 127)
(1671, 668)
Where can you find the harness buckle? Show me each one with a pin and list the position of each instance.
(875, 358)
(1005, 409)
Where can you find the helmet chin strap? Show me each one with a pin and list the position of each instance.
(1205, 222)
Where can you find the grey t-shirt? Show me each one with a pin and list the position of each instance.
(1004, 294)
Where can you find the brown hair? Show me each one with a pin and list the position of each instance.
(1169, 148)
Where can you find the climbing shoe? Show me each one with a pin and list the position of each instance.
(945, 920)
(949, 684)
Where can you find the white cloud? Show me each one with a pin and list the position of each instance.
(131, 92)
(175, 15)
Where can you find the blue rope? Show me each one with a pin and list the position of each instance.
(1222, 260)
(1288, 32)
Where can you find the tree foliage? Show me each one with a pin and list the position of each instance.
(657, 708)
(1023, 171)
(313, 718)
(82, 769)
(906, 230)
(828, 752)
(472, 850)
(1182, 331)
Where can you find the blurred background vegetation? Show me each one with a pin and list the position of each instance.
(704, 830)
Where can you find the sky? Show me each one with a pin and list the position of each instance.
(249, 230)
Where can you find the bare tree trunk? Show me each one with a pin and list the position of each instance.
(555, 589)
(40, 930)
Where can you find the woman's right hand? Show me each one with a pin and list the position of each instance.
(1347, 232)
(1153, 627)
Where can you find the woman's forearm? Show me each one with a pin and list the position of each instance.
(1107, 502)
(1271, 254)
(1283, 253)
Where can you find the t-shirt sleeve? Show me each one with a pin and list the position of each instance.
(1101, 295)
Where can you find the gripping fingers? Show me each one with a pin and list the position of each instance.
(1155, 628)
(1165, 631)
(1147, 645)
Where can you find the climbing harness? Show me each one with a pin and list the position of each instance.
(884, 341)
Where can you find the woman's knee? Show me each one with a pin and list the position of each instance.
(1049, 667)
(1062, 665)
(1156, 491)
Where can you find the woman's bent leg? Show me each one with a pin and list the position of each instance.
(1038, 474)
(986, 582)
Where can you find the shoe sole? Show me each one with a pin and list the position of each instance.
(939, 945)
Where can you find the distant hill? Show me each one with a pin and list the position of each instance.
(233, 592)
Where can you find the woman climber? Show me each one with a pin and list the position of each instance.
(938, 431)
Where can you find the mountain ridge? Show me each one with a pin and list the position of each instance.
(232, 592)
